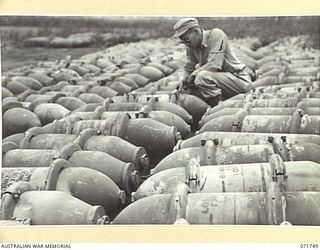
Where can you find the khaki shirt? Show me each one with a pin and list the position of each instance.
(214, 55)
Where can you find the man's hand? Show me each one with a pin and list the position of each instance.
(190, 80)
(184, 84)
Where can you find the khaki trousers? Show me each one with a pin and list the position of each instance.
(211, 84)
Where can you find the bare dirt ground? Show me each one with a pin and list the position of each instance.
(13, 57)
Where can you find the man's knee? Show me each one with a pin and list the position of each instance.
(205, 77)
(246, 87)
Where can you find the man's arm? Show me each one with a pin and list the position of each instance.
(190, 65)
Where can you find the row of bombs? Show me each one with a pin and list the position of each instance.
(57, 104)
(218, 166)
(119, 82)
(230, 174)
(76, 98)
(73, 40)
(93, 172)
(216, 148)
(278, 112)
(156, 126)
(289, 50)
(93, 177)
(294, 107)
(277, 69)
(273, 193)
(294, 101)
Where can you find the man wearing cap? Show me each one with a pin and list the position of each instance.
(212, 70)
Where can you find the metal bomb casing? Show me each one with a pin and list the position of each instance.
(273, 207)
(192, 104)
(17, 119)
(120, 149)
(157, 138)
(47, 207)
(210, 153)
(123, 174)
(164, 117)
(253, 177)
(298, 122)
(234, 138)
(289, 147)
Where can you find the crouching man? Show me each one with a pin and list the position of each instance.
(212, 71)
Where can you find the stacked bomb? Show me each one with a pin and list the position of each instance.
(255, 159)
